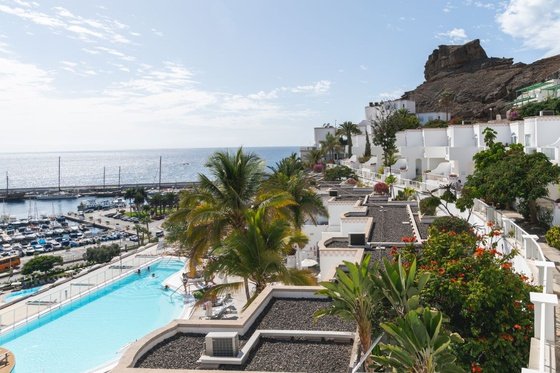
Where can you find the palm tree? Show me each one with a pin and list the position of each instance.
(214, 209)
(289, 166)
(308, 204)
(354, 297)
(256, 254)
(347, 129)
(446, 100)
(331, 145)
(156, 203)
(313, 157)
(420, 344)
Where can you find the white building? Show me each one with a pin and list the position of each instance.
(376, 110)
(538, 92)
(435, 115)
(449, 151)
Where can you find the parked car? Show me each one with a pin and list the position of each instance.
(133, 238)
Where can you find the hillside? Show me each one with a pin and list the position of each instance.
(476, 81)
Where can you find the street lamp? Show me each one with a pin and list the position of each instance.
(490, 113)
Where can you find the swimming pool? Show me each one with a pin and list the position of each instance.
(21, 293)
(94, 329)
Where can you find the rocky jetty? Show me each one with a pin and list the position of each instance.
(475, 82)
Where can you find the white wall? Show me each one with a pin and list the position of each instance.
(426, 117)
(321, 132)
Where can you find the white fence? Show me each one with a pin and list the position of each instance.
(39, 306)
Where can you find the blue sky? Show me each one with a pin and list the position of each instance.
(134, 74)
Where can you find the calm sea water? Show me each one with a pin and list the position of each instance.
(86, 168)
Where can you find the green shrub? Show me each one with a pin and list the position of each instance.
(451, 224)
(41, 263)
(485, 300)
(338, 173)
(428, 205)
(553, 237)
(406, 194)
(102, 254)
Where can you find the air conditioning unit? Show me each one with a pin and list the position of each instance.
(333, 193)
(356, 239)
(221, 344)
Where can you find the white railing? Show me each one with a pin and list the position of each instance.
(35, 307)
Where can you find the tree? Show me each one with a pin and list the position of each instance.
(354, 297)
(421, 345)
(338, 173)
(218, 206)
(102, 254)
(367, 150)
(347, 129)
(41, 263)
(156, 203)
(486, 302)
(504, 174)
(255, 253)
(331, 145)
(385, 128)
(314, 157)
(288, 166)
(308, 204)
(446, 100)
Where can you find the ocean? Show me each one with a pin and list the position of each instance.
(27, 170)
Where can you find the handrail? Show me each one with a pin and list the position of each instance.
(363, 359)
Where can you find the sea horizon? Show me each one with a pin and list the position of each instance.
(150, 149)
(85, 168)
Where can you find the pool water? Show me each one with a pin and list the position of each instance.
(21, 293)
(93, 330)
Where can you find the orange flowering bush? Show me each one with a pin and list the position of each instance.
(486, 301)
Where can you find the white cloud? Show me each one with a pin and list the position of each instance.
(156, 32)
(165, 100)
(448, 7)
(320, 87)
(535, 22)
(63, 19)
(454, 35)
(363, 67)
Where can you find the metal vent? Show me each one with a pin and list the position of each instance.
(222, 344)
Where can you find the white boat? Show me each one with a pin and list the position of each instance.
(59, 195)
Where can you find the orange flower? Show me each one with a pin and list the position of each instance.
(479, 251)
(523, 278)
(493, 251)
(441, 271)
(408, 239)
(507, 337)
(517, 327)
(496, 233)
(490, 223)
(506, 265)
(531, 306)
(475, 368)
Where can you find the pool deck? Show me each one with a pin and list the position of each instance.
(6, 366)
(58, 295)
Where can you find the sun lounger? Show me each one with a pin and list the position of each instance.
(41, 302)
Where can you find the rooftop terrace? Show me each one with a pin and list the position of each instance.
(183, 350)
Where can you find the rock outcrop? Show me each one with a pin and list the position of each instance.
(476, 82)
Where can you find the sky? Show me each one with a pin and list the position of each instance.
(136, 74)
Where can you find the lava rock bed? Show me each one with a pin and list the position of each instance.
(298, 355)
(297, 314)
(178, 352)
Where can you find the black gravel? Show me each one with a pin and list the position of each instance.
(422, 227)
(388, 223)
(178, 352)
(297, 314)
(298, 355)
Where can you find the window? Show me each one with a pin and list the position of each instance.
(527, 140)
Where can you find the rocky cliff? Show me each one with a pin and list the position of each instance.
(475, 81)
